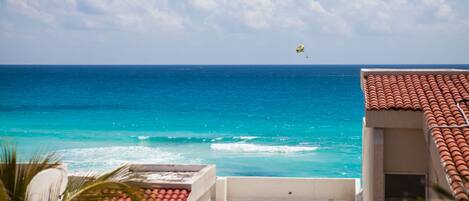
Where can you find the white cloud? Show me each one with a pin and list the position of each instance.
(205, 5)
(317, 7)
(30, 9)
(257, 14)
(346, 17)
(139, 15)
(440, 8)
(329, 22)
(433, 2)
(386, 16)
(292, 22)
(381, 23)
(445, 11)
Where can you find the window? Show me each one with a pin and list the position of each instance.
(400, 187)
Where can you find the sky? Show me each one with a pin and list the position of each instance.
(234, 31)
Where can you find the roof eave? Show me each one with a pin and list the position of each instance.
(424, 71)
(395, 71)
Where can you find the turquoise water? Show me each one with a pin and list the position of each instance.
(248, 120)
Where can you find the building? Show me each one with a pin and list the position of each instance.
(160, 182)
(415, 133)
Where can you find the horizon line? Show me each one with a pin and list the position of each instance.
(353, 64)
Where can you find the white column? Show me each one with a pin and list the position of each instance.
(372, 163)
(220, 194)
(378, 164)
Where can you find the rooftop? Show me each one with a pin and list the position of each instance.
(442, 96)
(147, 194)
(161, 182)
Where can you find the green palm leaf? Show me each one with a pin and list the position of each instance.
(16, 176)
(82, 186)
(3, 192)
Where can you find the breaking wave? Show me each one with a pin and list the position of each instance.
(246, 147)
(245, 137)
(104, 158)
(143, 137)
(196, 139)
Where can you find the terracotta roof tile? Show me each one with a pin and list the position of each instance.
(436, 95)
(147, 194)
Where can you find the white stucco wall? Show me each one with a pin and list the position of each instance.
(274, 188)
(48, 184)
(367, 171)
(405, 151)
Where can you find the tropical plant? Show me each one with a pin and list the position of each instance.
(442, 192)
(96, 186)
(15, 177)
(3, 192)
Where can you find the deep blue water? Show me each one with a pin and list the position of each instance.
(248, 120)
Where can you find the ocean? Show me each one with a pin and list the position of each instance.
(298, 121)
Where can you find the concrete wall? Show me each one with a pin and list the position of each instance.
(405, 151)
(393, 142)
(221, 189)
(367, 167)
(391, 150)
(48, 184)
(373, 164)
(396, 142)
(272, 188)
(393, 119)
(204, 184)
(206, 196)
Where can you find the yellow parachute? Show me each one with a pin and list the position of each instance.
(300, 48)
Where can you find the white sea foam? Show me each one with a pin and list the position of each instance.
(217, 139)
(246, 147)
(246, 137)
(143, 137)
(104, 158)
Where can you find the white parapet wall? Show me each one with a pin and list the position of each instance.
(286, 188)
(48, 184)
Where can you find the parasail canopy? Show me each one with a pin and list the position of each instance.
(300, 48)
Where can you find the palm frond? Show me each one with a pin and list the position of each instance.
(16, 176)
(8, 168)
(83, 186)
(3, 193)
(442, 193)
(102, 185)
(36, 164)
(118, 174)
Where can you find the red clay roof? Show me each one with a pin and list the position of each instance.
(437, 95)
(147, 194)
